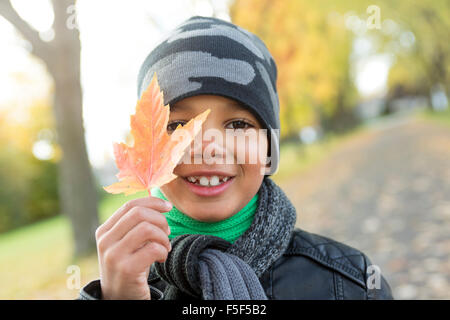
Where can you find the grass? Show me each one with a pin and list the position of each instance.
(441, 117)
(34, 259)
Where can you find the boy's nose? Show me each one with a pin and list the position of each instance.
(211, 147)
(208, 146)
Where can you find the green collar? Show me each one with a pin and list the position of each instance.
(229, 229)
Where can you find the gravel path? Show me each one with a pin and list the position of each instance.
(386, 192)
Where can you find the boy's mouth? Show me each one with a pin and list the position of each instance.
(208, 181)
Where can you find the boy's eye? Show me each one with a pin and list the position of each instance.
(239, 124)
(173, 125)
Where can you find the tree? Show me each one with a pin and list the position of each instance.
(28, 185)
(311, 53)
(77, 189)
(426, 62)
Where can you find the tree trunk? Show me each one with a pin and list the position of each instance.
(76, 182)
(77, 191)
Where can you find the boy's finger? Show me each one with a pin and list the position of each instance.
(131, 219)
(149, 202)
(149, 253)
(139, 235)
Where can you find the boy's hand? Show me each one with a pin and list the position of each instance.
(134, 237)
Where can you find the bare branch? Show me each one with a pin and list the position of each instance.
(40, 48)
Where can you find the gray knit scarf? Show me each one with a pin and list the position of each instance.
(211, 268)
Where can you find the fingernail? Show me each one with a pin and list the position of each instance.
(168, 205)
(168, 230)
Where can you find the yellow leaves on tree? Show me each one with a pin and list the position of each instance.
(311, 53)
(151, 160)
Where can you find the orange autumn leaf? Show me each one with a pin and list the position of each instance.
(151, 160)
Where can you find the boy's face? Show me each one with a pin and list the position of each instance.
(219, 176)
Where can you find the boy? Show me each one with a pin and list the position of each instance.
(231, 228)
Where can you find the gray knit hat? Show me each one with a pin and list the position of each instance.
(207, 55)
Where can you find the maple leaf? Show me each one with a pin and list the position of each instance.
(155, 154)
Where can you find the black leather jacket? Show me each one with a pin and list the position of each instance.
(313, 267)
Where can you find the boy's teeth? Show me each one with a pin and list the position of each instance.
(214, 181)
(192, 179)
(207, 181)
(204, 181)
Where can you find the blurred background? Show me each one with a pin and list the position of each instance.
(365, 118)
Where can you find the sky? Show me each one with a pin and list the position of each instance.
(116, 36)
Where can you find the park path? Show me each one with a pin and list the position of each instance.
(386, 191)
